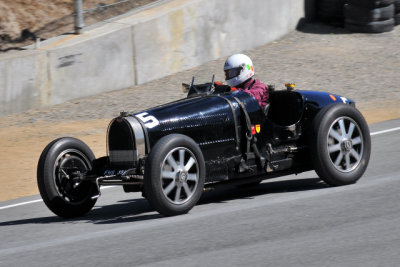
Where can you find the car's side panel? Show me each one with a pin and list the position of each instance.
(210, 121)
(217, 124)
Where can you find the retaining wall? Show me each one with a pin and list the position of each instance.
(169, 37)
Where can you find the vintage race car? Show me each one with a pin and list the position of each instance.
(215, 136)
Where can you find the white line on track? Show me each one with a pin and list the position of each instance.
(386, 131)
(20, 204)
(40, 200)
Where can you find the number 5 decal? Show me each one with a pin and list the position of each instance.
(148, 120)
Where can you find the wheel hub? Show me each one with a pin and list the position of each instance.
(347, 145)
(182, 177)
(67, 165)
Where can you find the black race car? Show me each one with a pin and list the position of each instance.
(213, 137)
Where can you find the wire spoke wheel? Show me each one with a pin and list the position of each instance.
(345, 145)
(61, 166)
(68, 165)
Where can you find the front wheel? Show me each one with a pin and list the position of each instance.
(340, 144)
(174, 175)
(61, 161)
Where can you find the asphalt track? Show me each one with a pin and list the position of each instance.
(289, 221)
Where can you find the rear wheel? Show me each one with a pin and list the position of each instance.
(340, 144)
(174, 175)
(61, 161)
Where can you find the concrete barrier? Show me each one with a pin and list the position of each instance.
(194, 32)
(167, 38)
(98, 61)
(23, 81)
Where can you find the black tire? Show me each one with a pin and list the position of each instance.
(174, 175)
(397, 6)
(56, 163)
(372, 27)
(331, 11)
(340, 144)
(397, 19)
(367, 15)
(370, 3)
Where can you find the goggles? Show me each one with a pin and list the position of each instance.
(232, 73)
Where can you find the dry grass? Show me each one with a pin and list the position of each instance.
(45, 19)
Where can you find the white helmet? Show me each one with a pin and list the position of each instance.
(238, 69)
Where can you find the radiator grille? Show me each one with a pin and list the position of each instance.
(121, 144)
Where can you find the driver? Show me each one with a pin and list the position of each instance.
(239, 72)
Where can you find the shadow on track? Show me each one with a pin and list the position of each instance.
(123, 211)
(226, 194)
(133, 210)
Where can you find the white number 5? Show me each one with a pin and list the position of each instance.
(148, 120)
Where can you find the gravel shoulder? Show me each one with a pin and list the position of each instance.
(362, 67)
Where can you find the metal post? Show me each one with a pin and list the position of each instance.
(78, 17)
(37, 44)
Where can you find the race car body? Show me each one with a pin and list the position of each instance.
(213, 137)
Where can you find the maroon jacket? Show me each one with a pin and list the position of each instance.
(258, 90)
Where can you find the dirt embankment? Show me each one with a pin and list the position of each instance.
(22, 21)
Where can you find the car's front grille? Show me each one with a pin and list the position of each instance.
(121, 144)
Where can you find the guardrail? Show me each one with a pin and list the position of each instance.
(79, 12)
